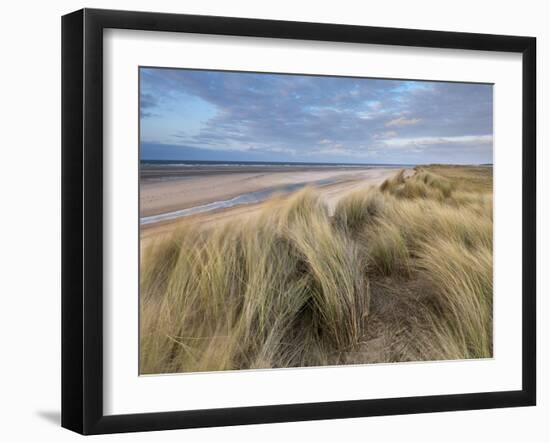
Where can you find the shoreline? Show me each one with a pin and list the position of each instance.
(183, 189)
(181, 194)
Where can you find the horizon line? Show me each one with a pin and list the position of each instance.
(310, 162)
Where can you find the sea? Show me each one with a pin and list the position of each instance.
(190, 163)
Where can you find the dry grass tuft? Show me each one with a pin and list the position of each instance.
(294, 287)
(287, 289)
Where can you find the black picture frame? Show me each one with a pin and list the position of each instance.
(82, 219)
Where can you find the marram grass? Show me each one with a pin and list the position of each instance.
(400, 272)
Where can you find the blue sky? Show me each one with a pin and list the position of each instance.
(216, 115)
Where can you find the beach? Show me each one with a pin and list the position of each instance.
(168, 191)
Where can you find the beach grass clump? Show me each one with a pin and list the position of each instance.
(399, 272)
(435, 235)
(462, 279)
(387, 250)
(287, 289)
(423, 184)
(394, 182)
(357, 210)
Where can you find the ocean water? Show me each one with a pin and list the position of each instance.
(191, 163)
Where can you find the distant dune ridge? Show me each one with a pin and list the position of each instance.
(387, 272)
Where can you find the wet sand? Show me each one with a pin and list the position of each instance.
(182, 189)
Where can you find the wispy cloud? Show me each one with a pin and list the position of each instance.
(309, 118)
(402, 121)
(471, 140)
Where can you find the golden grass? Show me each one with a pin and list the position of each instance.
(286, 289)
(400, 272)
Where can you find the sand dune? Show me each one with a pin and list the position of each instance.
(399, 272)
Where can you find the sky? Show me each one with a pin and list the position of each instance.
(239, 116)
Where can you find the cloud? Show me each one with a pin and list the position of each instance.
(464, 140)
(146, 103)
(385, 134)
(294, 118)
(402, 121)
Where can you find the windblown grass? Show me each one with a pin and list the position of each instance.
(400, 272)
(286, 289)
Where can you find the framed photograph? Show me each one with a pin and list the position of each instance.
(268, 221)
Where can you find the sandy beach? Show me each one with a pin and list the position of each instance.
(183, 188)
